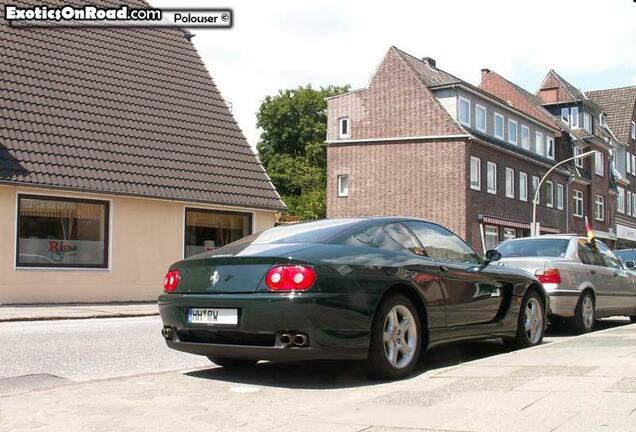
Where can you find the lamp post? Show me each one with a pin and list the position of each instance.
(534, 226)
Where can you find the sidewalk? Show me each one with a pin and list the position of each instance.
(76, 311)
(585, 383)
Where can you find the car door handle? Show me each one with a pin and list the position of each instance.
(443, 269)
(593, 271)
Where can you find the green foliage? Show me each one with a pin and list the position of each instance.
(292, 147)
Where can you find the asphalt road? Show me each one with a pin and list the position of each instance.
(45, 353)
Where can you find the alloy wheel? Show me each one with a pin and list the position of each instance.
(588, 312)
(534, 320)
(400, 336)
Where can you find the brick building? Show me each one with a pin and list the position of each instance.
(419, 141)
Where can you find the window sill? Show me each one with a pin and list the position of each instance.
(74, 269)
(492, 192)
(475, 188)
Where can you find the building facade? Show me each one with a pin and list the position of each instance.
(118, 157)
(421, 142)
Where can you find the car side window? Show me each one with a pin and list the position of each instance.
(393, 237)
(441, 244)
(589, 254)
(610, 259)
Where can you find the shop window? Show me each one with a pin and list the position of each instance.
(509, 233)
(206, 230)
(491, 236)
(62, 232)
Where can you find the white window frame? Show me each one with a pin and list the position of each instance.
(541, 146)
(565, 115)
(514, 141)
(577, 196)
(523, 186)
(620, 200)
(634, 204)
(628, 202)
(525, 144)
(633, 130)
(343, 192)
(599, 204)
(478, 161)
(491, 189)
(549, 201)
(577, 152)
(574, 117)
(535, 180)
(602, 119)
(459, 102)
(503, 126)
(599, 164)
(491, 231)
(510, 183)
(481, 108)
(587, 121)
(341, 121)
(559, 196)
(628, 162)
(633, 164)
(549, 147)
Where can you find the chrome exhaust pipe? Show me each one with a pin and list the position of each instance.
(167, 333)
(300, 340)
(285, 339)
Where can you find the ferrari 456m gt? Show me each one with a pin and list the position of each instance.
(376, 289)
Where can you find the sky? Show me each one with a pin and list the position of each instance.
(281, 44)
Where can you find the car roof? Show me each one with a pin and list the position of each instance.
(548, 236)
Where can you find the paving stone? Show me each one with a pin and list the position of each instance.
(600, 402)
(509, 400)
(593, 421)
(614, 371)
(26, 383)
(568, 384)
(537, 371)
(478, 371)
(625, 385)
(411, 398)
(502, 420)
(494, 384)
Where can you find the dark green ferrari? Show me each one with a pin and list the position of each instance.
(379, 289)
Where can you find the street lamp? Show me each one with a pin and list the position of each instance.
(534, 226)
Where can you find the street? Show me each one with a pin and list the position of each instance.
(106, 374)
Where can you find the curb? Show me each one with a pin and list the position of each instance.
(73, 317)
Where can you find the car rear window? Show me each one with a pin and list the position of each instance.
(306, 232)
(534, 248)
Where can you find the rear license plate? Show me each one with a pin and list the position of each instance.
(213, 316)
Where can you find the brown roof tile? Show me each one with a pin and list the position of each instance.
(619, 105)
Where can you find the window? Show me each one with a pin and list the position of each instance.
(559, 198)
(574, 117)
(589, 254)
(535, 186)
(550, 147)
(634, 204)
(608, 256)
(620, 200)
(599, 167)
(492, 177)
(578, 151)
(633, 130)
(62, 232)
(207, 230)
(343, 185)
(499, 126)
(509, 233)
(480, 118)
(628, 162)
(344, 130)
(391, 237)
(565, 115)
(523, 186)
(578, 203)
(510, 183)
(463, 111)
(600, 208)
(628, 206)
(441, 244)
(549, 192)
(491, 236)
(525, 137)
(512, 132)
(475, 173)
(535, 247)
(633, 164)
(602, 119)
(587, 121)
(538, 143)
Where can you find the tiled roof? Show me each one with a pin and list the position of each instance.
(517, 96)
(431, 76)
(128, 111)
(618, 104)
(567, 92)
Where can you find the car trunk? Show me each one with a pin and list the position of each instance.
(239, 271)
(529, 264)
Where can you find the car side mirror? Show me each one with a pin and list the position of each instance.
(630, 264)
(491, 256)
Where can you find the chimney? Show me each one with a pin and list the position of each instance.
(429, 61)
(484, 72)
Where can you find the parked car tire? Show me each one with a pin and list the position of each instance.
(396, 339)
(632, 318)
(531, 322)
(584, 315)
(232, 363)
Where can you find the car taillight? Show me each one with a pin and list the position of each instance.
(290, 278)
(549, 276)
(171, 281)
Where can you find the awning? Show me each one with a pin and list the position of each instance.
(513, 224)
(61, 209)
(206, 219)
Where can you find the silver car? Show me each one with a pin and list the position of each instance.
(585, 281)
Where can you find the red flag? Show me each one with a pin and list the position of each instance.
(590, 231)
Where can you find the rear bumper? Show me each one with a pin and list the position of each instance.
(337, 327)
(563, 302)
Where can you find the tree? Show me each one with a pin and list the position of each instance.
(292, 147)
